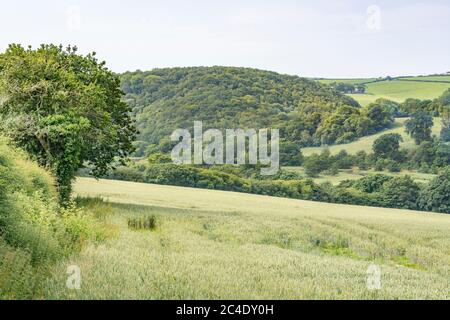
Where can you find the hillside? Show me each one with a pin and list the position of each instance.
(365, 143)
(226, 245)
(229, 97)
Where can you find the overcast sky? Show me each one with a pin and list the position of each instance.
(335, 38)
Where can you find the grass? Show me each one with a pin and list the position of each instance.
(365, 143)
(429, 78)
(398, 89)
(224, 245)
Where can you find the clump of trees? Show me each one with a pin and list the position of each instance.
(348, 87)
(64, 109)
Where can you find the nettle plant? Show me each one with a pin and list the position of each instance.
(64, 109)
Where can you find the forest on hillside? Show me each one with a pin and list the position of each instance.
(307, 113)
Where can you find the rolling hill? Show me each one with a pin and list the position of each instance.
(228, 97)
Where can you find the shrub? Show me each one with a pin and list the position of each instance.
(370, 183)
(147, 222)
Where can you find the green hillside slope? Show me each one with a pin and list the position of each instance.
(365, 143)
(229, 97)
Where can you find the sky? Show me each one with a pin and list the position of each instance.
(332, 39)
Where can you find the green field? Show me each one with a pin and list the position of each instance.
(225, 245)
(365, 143)
(398, 89)
(429, 78)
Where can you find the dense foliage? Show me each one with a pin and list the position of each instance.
(306, 112)
(348, 87)
(436, 195)
(34, 230)
(64, 109)
(419, 126)
(372, 190)
(387, 146)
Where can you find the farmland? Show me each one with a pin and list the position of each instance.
(398, 89)
(215, 244)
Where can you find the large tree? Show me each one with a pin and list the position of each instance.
(436, 195)
(419, 126)
(387, 146)
(65, 109)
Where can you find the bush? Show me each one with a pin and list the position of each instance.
(126, 174)
(369, 184)
(147, 222)
(34, 230)
(392, 166)
(191, 176)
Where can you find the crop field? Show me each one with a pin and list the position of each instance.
(365, 143)
(224, 245)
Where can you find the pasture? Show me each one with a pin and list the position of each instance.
(398, 89)
(365, 143)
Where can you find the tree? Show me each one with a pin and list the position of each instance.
(419, 126)
(400, 192)
(64, 109)
(315, 163)
(436, 195)
(445, 131)
(290, 154)
(379, 114)
(387, 146)
(444, 99)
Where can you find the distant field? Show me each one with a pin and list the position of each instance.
(350, 81)
(398, 89)
(225, 245)
(365, 143)
(357, 174)
(429, 78)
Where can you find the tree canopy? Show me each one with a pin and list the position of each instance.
(65, 109)
(387, 146)
(419, 126)
(307, 112)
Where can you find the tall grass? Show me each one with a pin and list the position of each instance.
(34, 231)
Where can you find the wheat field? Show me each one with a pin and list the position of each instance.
(225, 245)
